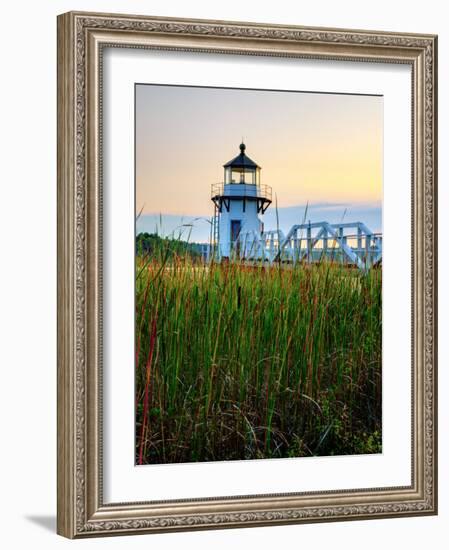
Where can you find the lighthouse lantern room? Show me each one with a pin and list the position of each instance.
(239, 204)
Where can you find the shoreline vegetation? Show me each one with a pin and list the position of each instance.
(239, 362)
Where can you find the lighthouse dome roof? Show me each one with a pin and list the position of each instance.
(241, 160)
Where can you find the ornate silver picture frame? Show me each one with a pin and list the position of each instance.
(82, 40)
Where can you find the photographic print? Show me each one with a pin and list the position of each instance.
(258, 303)
(227, 310)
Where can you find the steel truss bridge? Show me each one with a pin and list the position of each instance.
(351, 243)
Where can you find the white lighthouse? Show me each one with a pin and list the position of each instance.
(240, 202)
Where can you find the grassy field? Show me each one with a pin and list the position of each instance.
(237, 362)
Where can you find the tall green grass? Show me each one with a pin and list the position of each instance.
(239, 362)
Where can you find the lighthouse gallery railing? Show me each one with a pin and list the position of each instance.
(246, 190)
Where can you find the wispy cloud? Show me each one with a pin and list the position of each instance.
(198, 228)
(368, 213)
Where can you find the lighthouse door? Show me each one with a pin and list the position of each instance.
(236, 226)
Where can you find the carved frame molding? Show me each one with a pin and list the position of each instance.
(81, 39)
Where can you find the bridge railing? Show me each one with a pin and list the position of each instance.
(350, 243)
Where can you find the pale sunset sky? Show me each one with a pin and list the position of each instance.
(324, 150)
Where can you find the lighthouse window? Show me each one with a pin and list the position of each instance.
(235, 229)
(237, 176)
(240, 175)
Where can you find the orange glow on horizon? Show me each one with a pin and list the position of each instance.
(311, 147)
